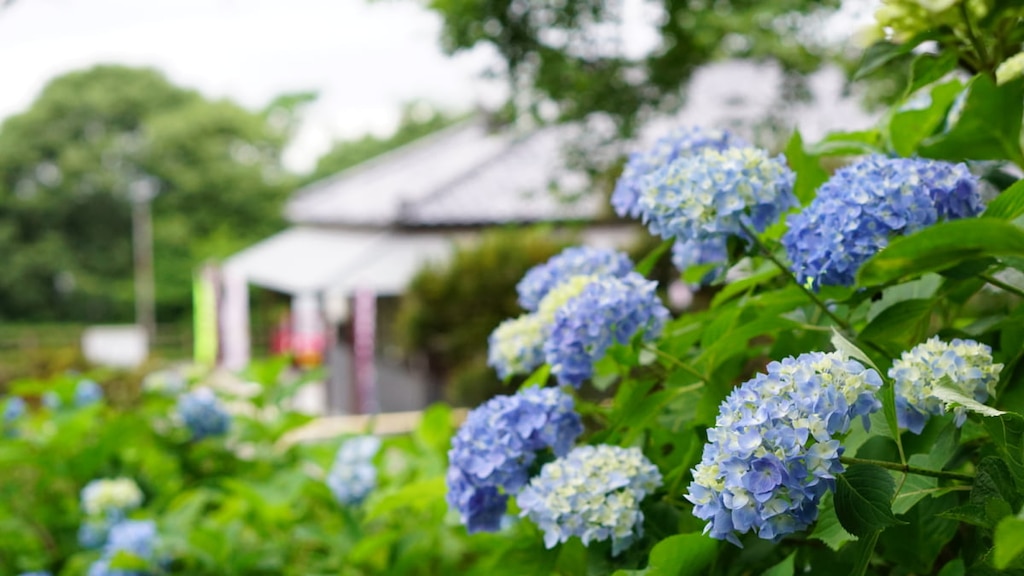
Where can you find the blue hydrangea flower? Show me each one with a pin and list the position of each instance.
(868, 202)
(608, 311)
(93, 533)
(774, 452)
(110, 498)
(14, 408)
(87, 392)
(203, 413)
(492, 452)
(134, 537)
(574, 261)
(353, 475)
(688, 253)
(517, 346)
(594, 493)
(681, 142)
(712, 195)
(964, 366)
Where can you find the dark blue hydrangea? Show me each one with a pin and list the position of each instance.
(594, 493)
(353, 475)
(608, 311)
(865, 204)
(574, 261)
(133, 537)
(713, 195)
(681, 142)
(962, 366)
(492, 452)
(774, 450)
(203, 413)
(87, 392)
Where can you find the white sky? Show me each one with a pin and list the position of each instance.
(364, 59)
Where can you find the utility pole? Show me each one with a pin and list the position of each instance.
(141, 193)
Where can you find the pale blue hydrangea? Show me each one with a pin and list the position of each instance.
(353, 476)
(517, 346)
(574, 261)
(774, 450)
(964, 366)
(203, 413)
(608, 311)
(713, 195)
(136, 538)
(110, 498)
(865, 204)
(87, 392)
(594, 493)
(14, 408)
(93, 533)
(492, 452)
(681, 142)
(51, 400)
(689, 253)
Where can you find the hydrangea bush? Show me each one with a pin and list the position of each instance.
(847, 400)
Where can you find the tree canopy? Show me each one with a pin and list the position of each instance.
(67, 165)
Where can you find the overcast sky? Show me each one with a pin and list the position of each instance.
(365, 59)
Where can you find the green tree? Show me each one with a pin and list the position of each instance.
(67, 165)
(568, 51)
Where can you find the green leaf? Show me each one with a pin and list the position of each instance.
(988, 126)
(863, 496)
(928, 68)
(920, 117)
(914, 487)
(784, 568)
(881, 53)
(952, 398)
(940, 247)
(682, 555)
(901, 325)
(1008, 205)
(1007, 433)
(828, 528)
(809, 173)
(647, 264)
(863, 550)
(850, 350)
(1008, 541)
(916, 544)
(847, 144)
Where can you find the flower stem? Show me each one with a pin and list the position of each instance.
(1002, 285)
(908, 469)
(676, 361)
(789, 273)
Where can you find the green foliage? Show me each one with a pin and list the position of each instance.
(449, 311)
(66, 167)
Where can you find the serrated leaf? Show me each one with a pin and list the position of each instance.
(863, 496)
(952, 398)
(1008, 205)
(940, 247)
(850, 350)
(1008, 542)
(828, 528)
(1007, 433)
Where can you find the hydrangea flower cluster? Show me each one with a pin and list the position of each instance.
(353, 475)
(110, 498)
(689, 253)
(87, 392)
(681, 142)
(607, 311)
(964, 366)
(594, 492)
(134, 537)
(516, 345)
(14, 408)
(492, 452)
(574, 261)
(712, 195)
(866, 203)
(773, 452)
(203, 413)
